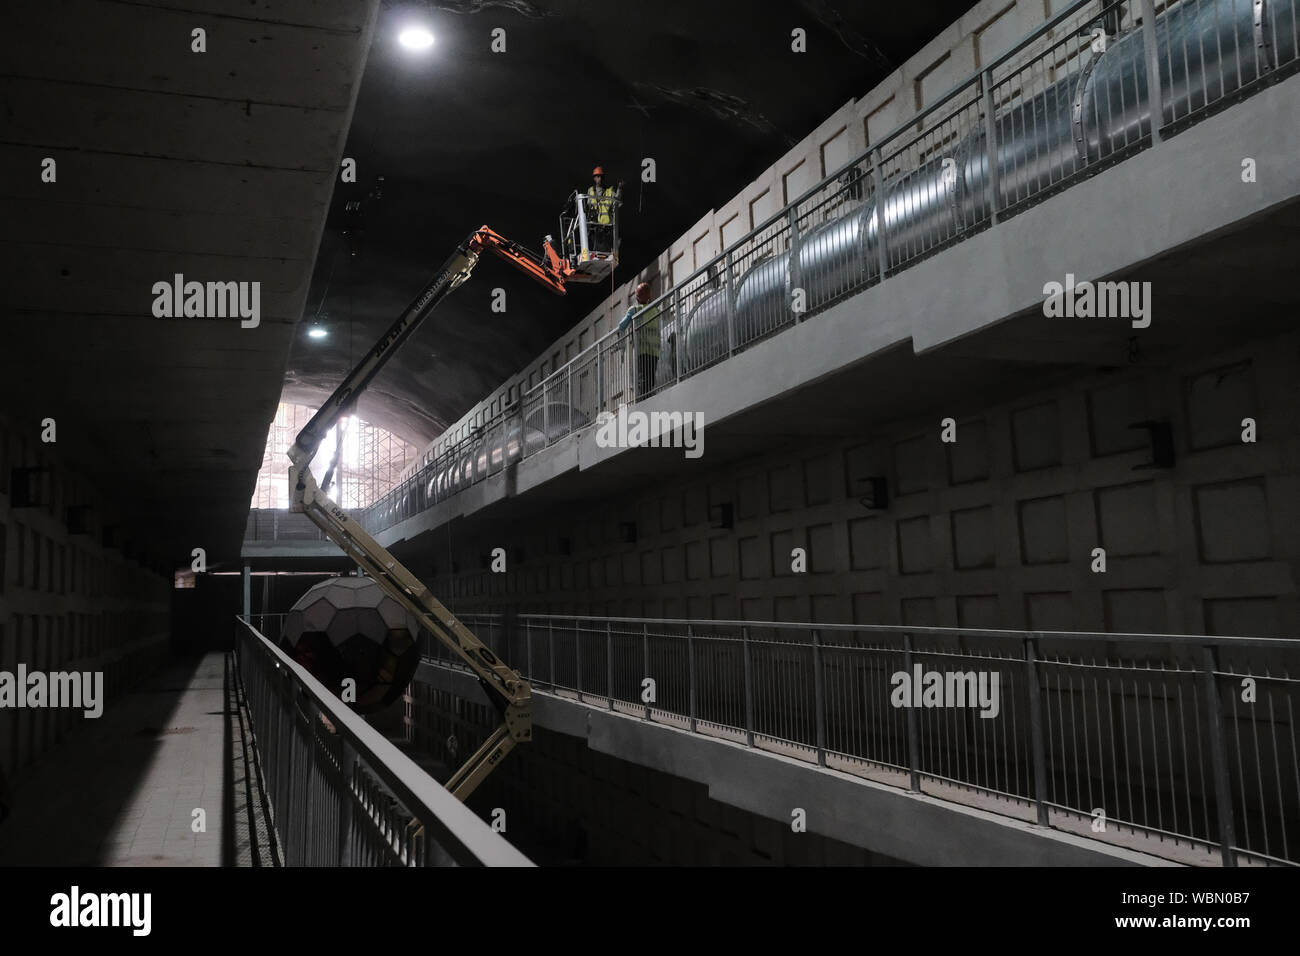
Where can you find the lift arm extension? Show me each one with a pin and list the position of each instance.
(548, 269)
(509, 693)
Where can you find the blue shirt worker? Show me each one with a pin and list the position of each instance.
(645, 327)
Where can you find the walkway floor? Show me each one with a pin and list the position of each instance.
(123, 790)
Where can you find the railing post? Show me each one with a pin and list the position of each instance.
(546, 416)
(609, 664)
(507, 637)
(690, 676)
(1219, 760)
(1264, 56)
(1036, 740)
(550, 639)
(993, 177)
(730, 291)
(577, 658)
(568, 375)
(819, 696)
(523, 419)
(528, 648)
(600, 378)
(749, 686)
(882, 240)
(346, 767)
(293, 749)
(680, 326)
(796, 274)
(248, 593)
(645, 647)
(913, 723)
(1155, 95)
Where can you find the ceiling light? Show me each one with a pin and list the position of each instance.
(415, 38)
(316, 332)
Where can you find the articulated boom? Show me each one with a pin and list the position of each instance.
(548, 268)
(508, 691)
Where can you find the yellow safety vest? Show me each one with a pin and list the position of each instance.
(647, 331)
(601, 209)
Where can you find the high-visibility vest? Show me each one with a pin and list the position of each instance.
(600, 209)
(646, 324)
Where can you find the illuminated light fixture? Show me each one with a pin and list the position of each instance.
(415, 38)
(316, 332)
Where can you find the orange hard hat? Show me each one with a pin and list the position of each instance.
(643, 291)
(598, 171)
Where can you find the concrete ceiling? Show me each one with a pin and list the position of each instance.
(465, 136)
(218, 165)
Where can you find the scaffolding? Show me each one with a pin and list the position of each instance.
(371, 465)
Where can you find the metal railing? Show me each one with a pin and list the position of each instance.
(270, 626)
(280, 524)
(340, 793)
(1072, 98)
(1186, 740)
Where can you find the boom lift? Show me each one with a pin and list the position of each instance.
(509, 693)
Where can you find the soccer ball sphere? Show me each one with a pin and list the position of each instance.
(350, 628)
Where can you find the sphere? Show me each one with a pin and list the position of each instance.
(350, 628)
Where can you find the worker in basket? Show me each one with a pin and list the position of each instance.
(600, 210)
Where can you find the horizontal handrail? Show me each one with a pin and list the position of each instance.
(1136, 637)
(447, 822)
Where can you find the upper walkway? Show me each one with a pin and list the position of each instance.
(926, 260)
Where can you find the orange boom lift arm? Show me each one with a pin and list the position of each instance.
(548, 268)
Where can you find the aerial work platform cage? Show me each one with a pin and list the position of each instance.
(589, 235)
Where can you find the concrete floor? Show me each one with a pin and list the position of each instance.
(122, 790)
